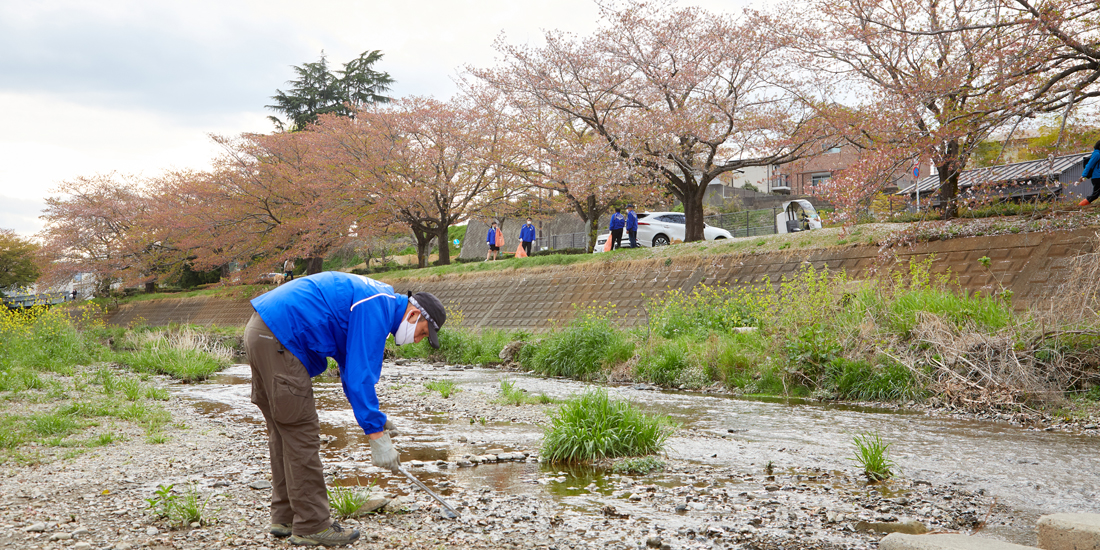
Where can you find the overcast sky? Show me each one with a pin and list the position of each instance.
(136, 86)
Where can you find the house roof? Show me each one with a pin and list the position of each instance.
(1006, 172)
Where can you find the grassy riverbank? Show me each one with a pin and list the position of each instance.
(67, 386)
(908, 337)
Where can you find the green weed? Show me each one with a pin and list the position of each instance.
(346, 501)
(873, 456)
(638, 465)
(581, 350)
(594, 427)
(511, 395)
(446, 388)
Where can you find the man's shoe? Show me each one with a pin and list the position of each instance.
(280, 529)
(1084, 202)
(333, 536)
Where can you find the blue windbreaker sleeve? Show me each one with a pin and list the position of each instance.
(369, 324)
(1091, 166)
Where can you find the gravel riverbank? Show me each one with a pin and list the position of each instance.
(97, 499)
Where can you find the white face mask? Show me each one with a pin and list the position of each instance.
(406, 333)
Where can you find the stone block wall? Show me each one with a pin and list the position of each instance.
(1032, 265)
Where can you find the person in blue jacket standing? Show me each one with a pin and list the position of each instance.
(616, 227)
(492, 239)
(632, 225)
(291, 335)
(527, 236)
(1092, 171)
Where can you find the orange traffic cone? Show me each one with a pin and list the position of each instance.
(1084, 202)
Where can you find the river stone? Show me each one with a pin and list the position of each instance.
(81, 532)
(653, 542)
(260, 484)
(908, 527)
(82, 546)
(373, 504)
(36, 528)
(152, 531)
(123, 546)
(61, 536)
(508, 354)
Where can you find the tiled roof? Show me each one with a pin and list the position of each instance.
(1007, 172)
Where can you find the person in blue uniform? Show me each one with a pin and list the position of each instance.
(291, 335)
(632, 225)
(1092, 172)
(618, 221)
(527, 236)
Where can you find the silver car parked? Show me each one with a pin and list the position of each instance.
(662, 228)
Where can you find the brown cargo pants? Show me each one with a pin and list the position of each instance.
(281, 388)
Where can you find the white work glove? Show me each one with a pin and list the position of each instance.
(384, 455)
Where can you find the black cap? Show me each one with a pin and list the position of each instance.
(431, 309)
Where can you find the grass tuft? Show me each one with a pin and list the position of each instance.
(872, 454)
(446, 388)
(594, 427)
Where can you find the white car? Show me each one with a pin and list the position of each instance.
(662, 228)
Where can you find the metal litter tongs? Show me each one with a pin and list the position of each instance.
(453, 513)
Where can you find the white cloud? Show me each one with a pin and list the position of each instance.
(135, 87)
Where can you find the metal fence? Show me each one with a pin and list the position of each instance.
(567, 240)
(747, 223)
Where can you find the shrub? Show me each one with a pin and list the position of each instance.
(664, 362)
(581, 350)
(593, 427)
(462, 346)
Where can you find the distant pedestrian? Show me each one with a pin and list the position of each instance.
(527, 236)
(74, 294)
(494, 240)
(288, 270)
(1092, 171)
(632, 225)
(618, 221)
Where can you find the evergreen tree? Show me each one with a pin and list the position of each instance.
(318, 90)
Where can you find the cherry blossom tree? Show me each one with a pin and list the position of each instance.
(681, 95)
(569, 160)
(104, 225)
(432, 163)
(268, 198)
(18, 260)
(932, 79)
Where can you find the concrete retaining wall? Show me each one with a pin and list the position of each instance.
(1031, 265)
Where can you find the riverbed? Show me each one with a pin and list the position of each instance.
(741, 473)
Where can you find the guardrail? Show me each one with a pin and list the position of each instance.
(30, 300)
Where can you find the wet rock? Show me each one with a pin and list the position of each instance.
(908, 527)
(260, 484)
(681, 508)
(36, 528)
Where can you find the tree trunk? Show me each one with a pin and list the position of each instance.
(444, 245)
(693, 212)
(949, 181)
(314, 265)
(423, 246)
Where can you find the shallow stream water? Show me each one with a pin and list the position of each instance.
(1032, 472)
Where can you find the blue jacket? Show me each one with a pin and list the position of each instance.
(1090, 168)
(617, 222)
(527, 233)
(343, 316)
(631, 221)
(491, 237)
